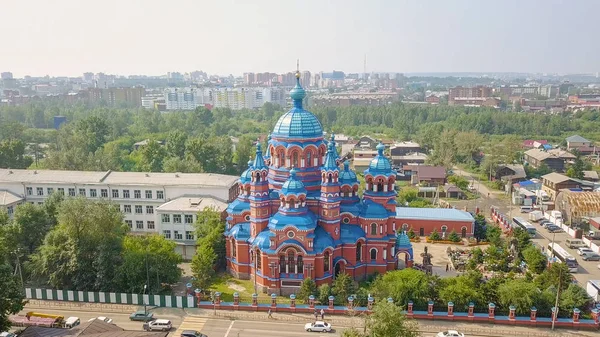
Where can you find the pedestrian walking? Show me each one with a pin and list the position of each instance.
(446, 267)
(316, 315)
(270, 314)
(322, 314)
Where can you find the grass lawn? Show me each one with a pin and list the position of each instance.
(227, 285)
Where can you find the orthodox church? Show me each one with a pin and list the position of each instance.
(299, 214)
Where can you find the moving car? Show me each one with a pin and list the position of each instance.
(584, 250)
(318, 326)
(192, 333)
(103, 319)
(158, 325)
(450, 333)
(590, 256)
(141, 316)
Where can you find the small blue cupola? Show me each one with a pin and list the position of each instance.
(347, 176)
(259, 160)
(246, 176)
(380, 165)
(293, 186)
(330, 158)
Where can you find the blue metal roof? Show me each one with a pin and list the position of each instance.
(347, 176)
(380, 164)
(238, 206)
(322, 240)
(241, 231)
(246, 176)
(293, 185)
(353, 208)
(330, 158)
(306, 221)
(373, 210)
(263, 240)
(403, 241)
(259, 161)
(351, 233)
(443, 214)
(298, 123)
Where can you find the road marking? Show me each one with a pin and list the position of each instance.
(229, 329)
(191, 323)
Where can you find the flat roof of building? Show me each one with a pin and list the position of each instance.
(441, 214)
(192, 204)
(117, 178)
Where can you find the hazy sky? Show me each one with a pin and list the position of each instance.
(69, 37)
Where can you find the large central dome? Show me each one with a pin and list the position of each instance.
(298, 123)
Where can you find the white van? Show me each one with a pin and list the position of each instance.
(72, 322)
(158, 325)
(575, 243)
(526, 209)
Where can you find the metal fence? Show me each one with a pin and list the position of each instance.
(166, 301)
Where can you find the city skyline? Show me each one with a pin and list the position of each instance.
(68, 37)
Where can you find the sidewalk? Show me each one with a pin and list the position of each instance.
(425, 326)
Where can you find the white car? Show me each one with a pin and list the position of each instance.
(103, 319)
(7, 334)
(584, 250)
(317, 326)
(450, 333)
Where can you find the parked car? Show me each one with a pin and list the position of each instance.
(590, 256)
(450, 333)
(545, 223)
(158, 325)
(103, 319)
(554, 229)
(141, 316)
(317, 326)
(7, 334)
(192, 333)
(584, 250)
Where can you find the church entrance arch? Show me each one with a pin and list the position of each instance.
(403, 260)
(340, 267)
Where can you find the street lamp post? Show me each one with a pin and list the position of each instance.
(554, 316)
(144, 299)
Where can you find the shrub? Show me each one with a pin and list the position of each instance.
(411, 234)
(454, 236)
(434, 236)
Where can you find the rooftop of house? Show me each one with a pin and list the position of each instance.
(577, 139)
(556, 178)
(443, 214)
(451, 188)
(553, 153)
(519, 170)
(116, 178)
(593, 175)
(95, 328)
(529, 142)
(406, 144)
(192, 204)
(427, 171)
(8, 198)
(413, 155)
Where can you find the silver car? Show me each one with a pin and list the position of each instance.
(317, 326)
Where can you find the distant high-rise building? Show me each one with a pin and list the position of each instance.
(478, 91)
(305, 79)
(187, 98)
(249, 78)
(117, 96)
(88, 77)
(6, 76)
(175, 76)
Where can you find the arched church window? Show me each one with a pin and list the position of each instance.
(330, 178)
(292, 203)
(291, 261)
(308, 159)
(295, 159)
(379, 187)
(373, 253)
(358, 252)
(257, 177)
(373, 229)
(326, 262)
(300, 264)
(258, 260)
(282, 263)
(233, 249)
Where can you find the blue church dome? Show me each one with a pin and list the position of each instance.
(298, 123)
(403, 241)
(379, 164)
(293, 185)
(347, 176)
(246, 176)
(373, 210)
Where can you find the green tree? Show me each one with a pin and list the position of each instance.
(555, 274)
(150, 157)
(204, 115)
(454, 237)
(493, 234)
(520, 293)
(175, 164)
(407, 195)
(175, 144)
(387, 320)
(28, 228)
(203, 266)
(210, 229)
(149, 260)
(480, 230)
(434, 236)
(576, 170)
(459, 181)
(573, 297)
(523, 238)
(324, 293)
(342, 288)
(535, 259)
(461, 290)
(12, 154)
(307, 288)
(83, 252)
(411, 233)
(12, 299)
(403, 286)
(243, 152)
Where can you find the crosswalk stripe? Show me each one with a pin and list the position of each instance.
(190, 323)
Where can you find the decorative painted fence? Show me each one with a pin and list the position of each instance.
(166, 301)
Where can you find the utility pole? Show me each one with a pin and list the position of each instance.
(557, 295)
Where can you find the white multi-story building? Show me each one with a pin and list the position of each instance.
(187, 98)
(248, 98)
(147, 200)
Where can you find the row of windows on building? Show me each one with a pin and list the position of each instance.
(139, 209)
(178, 235)
(139, 224)
(166, 218)
(93, 193)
